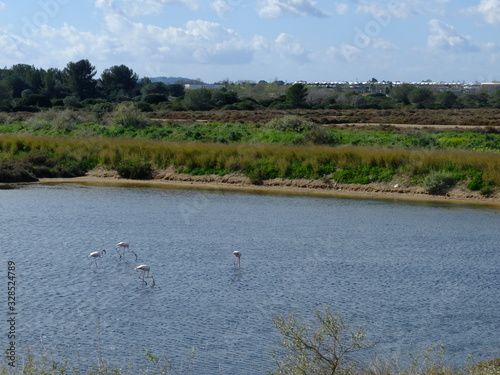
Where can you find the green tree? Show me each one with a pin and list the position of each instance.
(155, 88)
(79, 79)
(52, 84)
(325, 346)
(198, 99)
(176, 89)
(495, 99)
(119, 79)
(473, 100)
(447, 99)
(296, 95)
(422, 97)
(400, 93)
(5, 95)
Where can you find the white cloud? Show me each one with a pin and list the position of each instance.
(221, 7)
(73, 44)
(289, 48)
(489, 10)
(444, 37)
(341, 8)
(199, 42)
(13, 47)
(280, 8)
(133, 8)
(2, 5)
(344, 53)
(400, 8)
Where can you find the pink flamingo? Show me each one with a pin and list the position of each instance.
(145, 273)
(237, 254)
(96, 254)
(124, 246)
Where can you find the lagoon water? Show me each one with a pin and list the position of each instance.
(417, 274)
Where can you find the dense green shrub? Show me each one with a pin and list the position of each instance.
(438, 182)
(128, 115)
(154, 98)
(291, 123)
(476, 183)
(135, 169)
(15, 171)
(144, 107)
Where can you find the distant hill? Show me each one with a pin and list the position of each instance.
(172, 80)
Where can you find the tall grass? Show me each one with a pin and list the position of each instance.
(346, 164)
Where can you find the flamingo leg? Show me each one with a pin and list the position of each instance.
(151, 277)
(118, 251)
(133, 253)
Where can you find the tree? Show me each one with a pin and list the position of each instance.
(495, 99)
(400, 93)
(296, 95)
(323, 347)
(198, 99)
(5, 95)
(79, 79)
(119, 78)
(447, 99)
(422, 97)
(52, 83)
(176, 89)
(155, 88)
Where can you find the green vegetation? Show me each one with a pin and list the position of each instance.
(123, 124)
(42, 156)
(27, 88)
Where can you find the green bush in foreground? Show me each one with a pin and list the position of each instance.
(438, 182)
(135, 169)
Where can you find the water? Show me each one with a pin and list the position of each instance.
(417, 274)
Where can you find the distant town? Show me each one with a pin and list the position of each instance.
(372, 86)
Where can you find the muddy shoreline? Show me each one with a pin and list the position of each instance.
(168, 178)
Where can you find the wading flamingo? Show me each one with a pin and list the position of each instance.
(237, 254)
(124, 246)
(145, 273)
(96, 254)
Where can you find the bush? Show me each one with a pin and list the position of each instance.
(438, 182)
(155, 98)
(15, 171)
(144, 107)
(291, 123)
(128, 115)
(71, 101)
(135, 169)
(326, 346)
(476, 182)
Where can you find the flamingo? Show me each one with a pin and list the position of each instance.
(237, 254)
(96, 254)
(125, 246)
(145, 273)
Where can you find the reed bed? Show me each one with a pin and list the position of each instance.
(346, 164)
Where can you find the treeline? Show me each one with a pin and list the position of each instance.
(27, 88)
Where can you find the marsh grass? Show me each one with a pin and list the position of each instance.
(346, 164)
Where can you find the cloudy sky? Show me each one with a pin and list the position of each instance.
(289, 40)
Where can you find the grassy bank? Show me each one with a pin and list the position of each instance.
(33, 157)
(69, 143)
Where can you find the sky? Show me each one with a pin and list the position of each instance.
(238, 40)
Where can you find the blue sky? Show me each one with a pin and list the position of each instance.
(289, 40)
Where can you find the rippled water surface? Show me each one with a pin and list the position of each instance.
(418, 274)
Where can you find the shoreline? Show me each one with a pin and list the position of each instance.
(169, 179)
